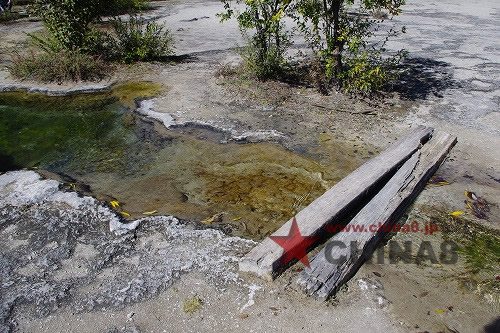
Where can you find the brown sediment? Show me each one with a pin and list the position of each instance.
(260, 185)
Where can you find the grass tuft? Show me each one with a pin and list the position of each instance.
(58, 66)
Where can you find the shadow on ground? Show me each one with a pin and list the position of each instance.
(178, 59)
(423, 77)
(493, 327)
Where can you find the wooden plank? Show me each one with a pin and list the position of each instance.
(326, 276)
(336, 203)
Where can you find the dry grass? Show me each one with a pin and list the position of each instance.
(58, 66)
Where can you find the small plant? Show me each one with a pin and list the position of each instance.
(269, 66)
(69, 21)
(58, 66)
(45, 42)
(318, 77)
(102, 44)
(5, 16)
(224, 71)
(265, 54)
(192, 304)
(141, 41)
(73, 48)
(341, 35)
(367, 72)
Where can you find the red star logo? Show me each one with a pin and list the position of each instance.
(294, 245)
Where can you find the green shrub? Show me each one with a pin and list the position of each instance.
(367, 72)
(64, 65)
(141, 41)
(45, 42)
(120, 7)
(270, 65)
(265, 54)
(5, 16)
(96, 43)
(74, 49)
(72, 22)
(345, 35)
(69, 21)
(102, 44)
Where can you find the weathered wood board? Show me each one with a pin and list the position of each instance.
(336, 203)
(333, 265)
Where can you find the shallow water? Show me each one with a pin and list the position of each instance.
(98, 140)
(76, 133)
(39, 131)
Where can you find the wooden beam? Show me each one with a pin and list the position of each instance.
(336, 203)
(327, 274)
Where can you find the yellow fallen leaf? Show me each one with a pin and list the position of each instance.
(457, 213)
(73, 186)
(214, 218)
(125, 214)
(439, 311)
(468, 204)
(208, 221)
(150, 213)
(443, 183)
(237, 218)
(114, 204)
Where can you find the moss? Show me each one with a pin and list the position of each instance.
(43, 102)
(192, 304)
(82, 132)
(478, 245)
(482, 252)
(129, 91)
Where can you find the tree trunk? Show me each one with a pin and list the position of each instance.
(261, 38)
(337, 44)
